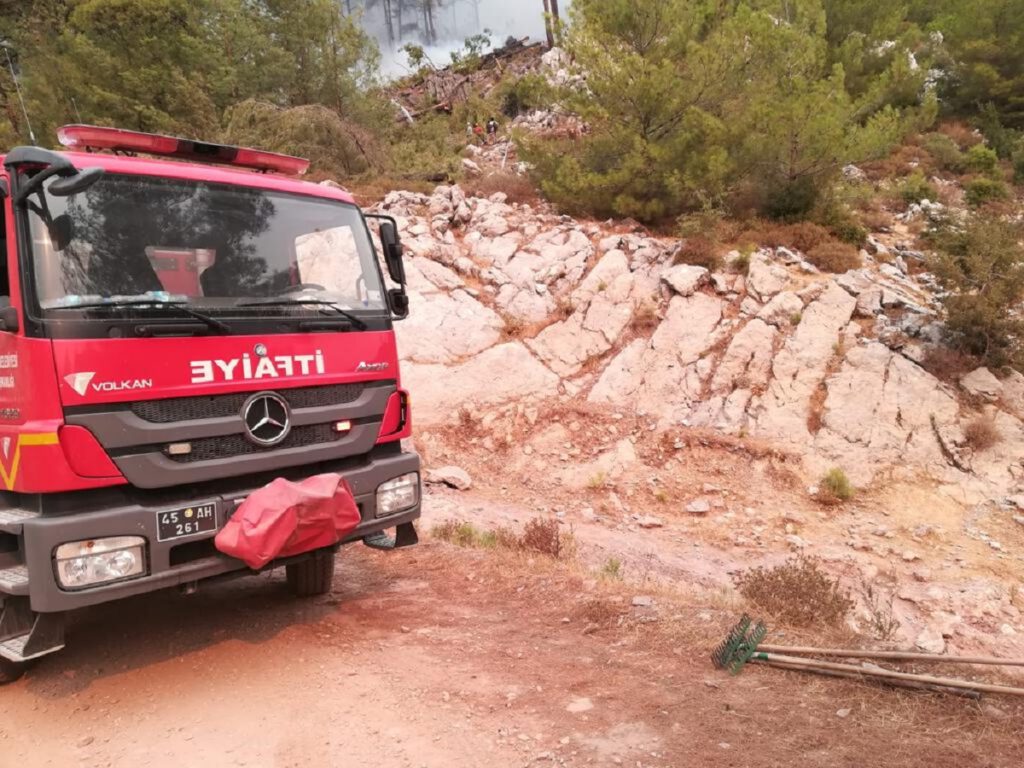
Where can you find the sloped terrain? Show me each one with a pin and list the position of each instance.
(576, 364)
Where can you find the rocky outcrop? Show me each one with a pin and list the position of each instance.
(510, 303)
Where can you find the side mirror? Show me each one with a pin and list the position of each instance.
(392, 250)
(9, 318)
(398, 303)
(82, 180)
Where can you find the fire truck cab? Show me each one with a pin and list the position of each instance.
(182, 323)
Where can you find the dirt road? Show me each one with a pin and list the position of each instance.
(446, 657)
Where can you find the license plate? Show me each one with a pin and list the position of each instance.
(187, 521)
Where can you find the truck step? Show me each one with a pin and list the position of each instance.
(14, 649)
(12, 518)
(14, 580)
(405, 536)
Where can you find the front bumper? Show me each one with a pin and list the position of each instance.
(181, 561)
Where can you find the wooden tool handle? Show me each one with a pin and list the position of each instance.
(799, 661)
(893, 655)
(913, 684)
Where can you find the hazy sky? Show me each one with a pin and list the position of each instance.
(457, 19)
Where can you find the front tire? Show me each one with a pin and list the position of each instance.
(11, 670)
(312, 576)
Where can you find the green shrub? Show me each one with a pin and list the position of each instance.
(916, 188)
(1018, 163)
(520, 95)
(983, 190)
(945, 152)
(981, 268)
(835, 486)
(982, 159)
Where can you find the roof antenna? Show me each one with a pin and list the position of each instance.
(17, 88)
(75, 105)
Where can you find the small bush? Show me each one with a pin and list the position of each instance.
(514, 327)
(805, 235)
(797, 592)
(612, 568)
(835, 486)
(982, 159)
(834, 257)
(916, 188)
(962, 134)
(944, 152)
(981, 433)
(542, 535)
(948, 364)
(645, 317)
(518, 189)
(700, 252)
(881, 618)
(982, 190)
(741, 264)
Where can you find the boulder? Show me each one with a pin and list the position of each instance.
(878, 412)
(869, 302)
(443, 328)
(781, 310)
(684, 279)
(764, 278)
(453, 477)
(470, 167)
(666, 373)
(502, 374)
(981, 382)
(747, 360)
(800, 366)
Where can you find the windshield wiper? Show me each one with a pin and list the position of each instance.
(357, 322)
(211, 322)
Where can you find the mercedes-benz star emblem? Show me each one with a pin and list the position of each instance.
(267, 419)
(260, 350)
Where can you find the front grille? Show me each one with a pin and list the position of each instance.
(220, 406)
(227, 446)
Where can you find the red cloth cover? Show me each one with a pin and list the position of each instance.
(285, 518)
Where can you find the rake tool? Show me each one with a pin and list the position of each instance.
(742, 645)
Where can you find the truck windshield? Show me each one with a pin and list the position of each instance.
(128, 239)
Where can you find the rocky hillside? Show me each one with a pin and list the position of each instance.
(513, 304)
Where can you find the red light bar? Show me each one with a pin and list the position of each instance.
(88, 137)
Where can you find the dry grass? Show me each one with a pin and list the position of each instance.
(981, 433)
(645, 317)
(513, 328)
(948, 364)
(882, 619)
(802, 236)
(834, 257)
(517, 188)
(541, 536)
(961, 133)
(700, 252)
(798, 592)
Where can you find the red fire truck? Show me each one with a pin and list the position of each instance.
(182, 323)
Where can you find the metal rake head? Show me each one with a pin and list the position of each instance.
(739, 645)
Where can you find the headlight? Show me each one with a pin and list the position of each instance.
(83, 564)
(398, 494)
